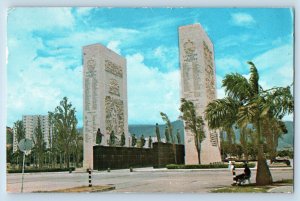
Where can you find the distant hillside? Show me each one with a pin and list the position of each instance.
(149, 130)
(287, 140)
(80, 131)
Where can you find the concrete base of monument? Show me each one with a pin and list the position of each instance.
(208, 155)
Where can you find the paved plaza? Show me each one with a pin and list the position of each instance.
(140, 180)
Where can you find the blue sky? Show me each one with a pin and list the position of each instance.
(45, 62)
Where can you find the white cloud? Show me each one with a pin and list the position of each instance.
(165, 56)
(242, 19)
(38, 90)
(84, 11)
(30, 19)
(220, 93)
(228, 65)
(79, 39)
(232, 40)
(151, 91)
(114, 46)
(276, 66)
(219, 80)
(37, 83)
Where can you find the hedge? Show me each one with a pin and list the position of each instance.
(206, 166)
(40, 170)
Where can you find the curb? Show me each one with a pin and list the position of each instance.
(281, 189)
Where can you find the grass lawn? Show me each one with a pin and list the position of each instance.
(81, 189)
(242, 189)
(252, 188)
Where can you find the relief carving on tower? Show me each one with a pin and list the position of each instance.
(187, 77)
(87, 92)
(113, 68)
(91, 72)
(90, 84)
(190, 66)
(213, 138)
(114, 87)
(94, 92)
(209, 73)
(189, 49)
(114, 119)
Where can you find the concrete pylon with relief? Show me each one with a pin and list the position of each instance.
(198, 84)
(104, 98)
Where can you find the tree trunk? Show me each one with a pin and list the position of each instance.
(263, 174)
(198, 149)
(68, 157)
(60, 160)
(199, 159)
(198, 152)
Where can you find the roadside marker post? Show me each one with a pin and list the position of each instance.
(90, 178)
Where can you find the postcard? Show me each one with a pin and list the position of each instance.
(150, 100)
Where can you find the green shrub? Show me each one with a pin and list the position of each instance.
(207, 166)
(40, 170)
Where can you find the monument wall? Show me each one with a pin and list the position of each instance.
(159, 156)
(198, 84)
(104, 98)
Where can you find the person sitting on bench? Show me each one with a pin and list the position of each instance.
(242, 177)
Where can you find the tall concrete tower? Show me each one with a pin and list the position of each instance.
(104, 98)
(198, 84)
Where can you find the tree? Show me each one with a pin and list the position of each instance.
(169, 133)
(193, 123)
(222, 114)
(274, 129)
(254, 106)
(9, 144)
(157, 132)
(19, 130)
(244, 140)
(166, 119)
(122, 139)
(65, 123)
(38, 141)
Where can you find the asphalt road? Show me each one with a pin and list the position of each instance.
(140, 180)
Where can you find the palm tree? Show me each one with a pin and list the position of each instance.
(166, 119)
(193, 123)
(254, 106)
(222, 114)
(169, 133)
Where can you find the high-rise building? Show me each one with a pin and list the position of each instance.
(30, 122)
(198, 84)
(104, 98)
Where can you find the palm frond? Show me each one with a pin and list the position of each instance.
(236, 86)
(253, 80)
